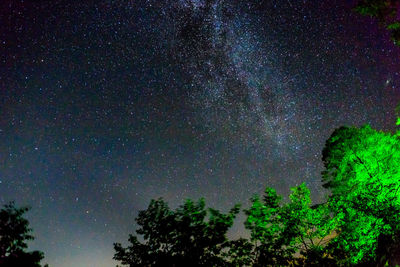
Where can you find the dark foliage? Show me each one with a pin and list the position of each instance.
(240, 253)
(178, 238)
(14, 233)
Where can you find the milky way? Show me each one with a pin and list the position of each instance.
(106, 105)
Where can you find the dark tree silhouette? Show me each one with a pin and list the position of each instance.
(178, 238)
(14, 232)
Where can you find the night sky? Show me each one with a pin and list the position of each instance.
(107, 104)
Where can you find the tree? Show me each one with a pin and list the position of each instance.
(281, 230)
(362, 171)
(307, 228)
(263, 221)
(386, 11)
(178, 238)
(14, 232)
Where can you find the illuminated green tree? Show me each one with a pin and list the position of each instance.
(178, 238)
(263, 221)
(362, 169)
(386, 11)
(280, 230)
(307, 227)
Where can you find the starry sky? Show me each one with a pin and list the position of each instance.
(105, 105)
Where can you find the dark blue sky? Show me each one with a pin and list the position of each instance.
(105, 105)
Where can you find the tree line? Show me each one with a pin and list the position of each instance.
(357, 225)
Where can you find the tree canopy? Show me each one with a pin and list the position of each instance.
(362, 171)
(179, 238)
(281, 230)
(14, 233)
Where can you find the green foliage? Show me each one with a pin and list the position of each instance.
(375, 8)
(387, 13)
(281, 230)
(398, 115)
(394, 26)
(362, 171)
(264, 223)
(14, 233)
(178, 238)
